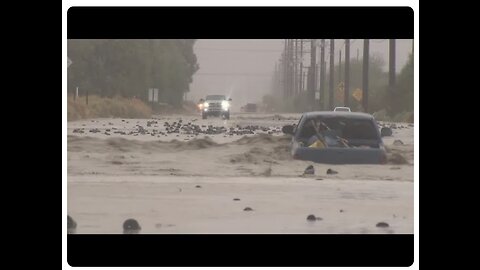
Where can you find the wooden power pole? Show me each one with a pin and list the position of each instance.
(332, 77)
(366, 49)
(347, 73)
(322, 74)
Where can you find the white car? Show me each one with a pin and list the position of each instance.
(342, 109)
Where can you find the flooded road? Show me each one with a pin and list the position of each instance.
(181, 174)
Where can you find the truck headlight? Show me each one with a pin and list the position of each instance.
(205, 105)
(225, 105)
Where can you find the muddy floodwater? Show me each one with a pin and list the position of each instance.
(182, 174)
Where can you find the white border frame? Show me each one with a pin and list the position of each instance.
(67, 4)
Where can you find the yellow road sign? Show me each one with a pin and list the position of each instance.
(357, 94)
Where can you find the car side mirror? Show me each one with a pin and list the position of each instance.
(202, 100)
(229, 99)
(288, 129)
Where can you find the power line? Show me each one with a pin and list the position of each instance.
(234, 74)
(238, 50)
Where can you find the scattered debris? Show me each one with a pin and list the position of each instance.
(71, 225)
(386, 131)
(313, 218)
(131, 226)
(309, 170)
(236, 199)
(398, 142)
(247, 209)
(330, 171)
(382, 225)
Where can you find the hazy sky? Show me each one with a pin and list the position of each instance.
(243, 68)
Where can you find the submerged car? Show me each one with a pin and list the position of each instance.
(216, 105)
(337, 138)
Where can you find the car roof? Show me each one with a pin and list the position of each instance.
(351, 115)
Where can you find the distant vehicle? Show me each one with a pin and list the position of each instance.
(217, 105)
(250, 107)
(342, 109)
(337, 138)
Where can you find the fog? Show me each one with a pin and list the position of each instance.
(243, 68)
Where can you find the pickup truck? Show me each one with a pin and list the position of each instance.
(216, 105)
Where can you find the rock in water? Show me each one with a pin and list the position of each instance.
(386, 131)
(382, 225)
(398, 142)
(309, 170)
(71, 225)
(330, 171)
(131, 226)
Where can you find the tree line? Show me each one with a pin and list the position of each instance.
(129, 67)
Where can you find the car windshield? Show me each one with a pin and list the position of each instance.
(346, 128)
(216, 97)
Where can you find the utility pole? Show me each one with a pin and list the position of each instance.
(322, 74)
(317, 82)
(366, 48)
(285, 63)
(295, 69)
(289, 68)
(305, 78)
(391, 63)
(391, 76)
(301, 65)
(357, 54)
(340, 66)
(332, 77)
(313, 72)
(275, 80)
(347, 73)
(292, 67)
